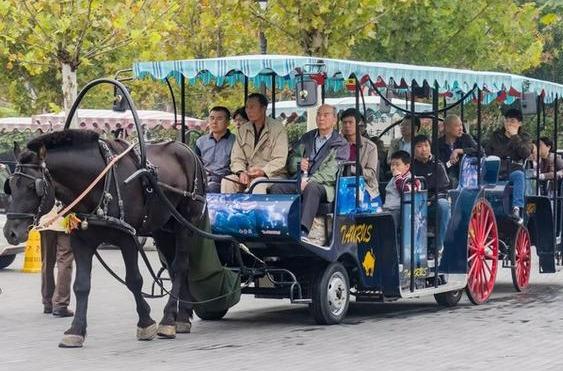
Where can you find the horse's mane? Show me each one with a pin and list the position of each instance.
(61, 139)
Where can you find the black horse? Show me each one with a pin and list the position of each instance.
(62, 164)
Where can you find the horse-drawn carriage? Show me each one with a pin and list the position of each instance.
(364, 252)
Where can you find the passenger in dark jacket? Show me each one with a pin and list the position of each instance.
(437, 182)
(513, 146)
(453, 145)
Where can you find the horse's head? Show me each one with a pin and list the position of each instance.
(32, 191)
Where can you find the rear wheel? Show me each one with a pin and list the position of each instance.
(6, 260)
(482, 261)
(448, 299)
(331, 295)
(521, 256)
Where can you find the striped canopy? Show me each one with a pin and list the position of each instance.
(260, 68)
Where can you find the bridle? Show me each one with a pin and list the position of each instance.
(41, 190)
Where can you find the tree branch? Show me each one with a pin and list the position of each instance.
(78, 47)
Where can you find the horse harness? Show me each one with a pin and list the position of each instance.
(40, 183)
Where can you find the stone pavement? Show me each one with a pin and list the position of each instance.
(513, 332)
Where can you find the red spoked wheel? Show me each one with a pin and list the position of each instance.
(482, 261)
(521, 259)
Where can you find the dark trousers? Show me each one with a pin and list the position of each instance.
(55, 248)
(311, 198)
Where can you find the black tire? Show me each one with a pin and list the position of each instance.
(211, 316)
(449, 298)
(333, 283)
(6, 260)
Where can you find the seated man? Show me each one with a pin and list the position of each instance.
(260, 149)
(513, 146)
(453, 145)
(215, 148)
(368, 154)
(437, 181)
(404, 142)
(316, 155)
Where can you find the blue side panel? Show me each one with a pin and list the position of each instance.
(420, 232)
(253, 216)
(373, 239)
(346, 198)
(454, 258)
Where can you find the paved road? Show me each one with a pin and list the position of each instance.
(513, 331)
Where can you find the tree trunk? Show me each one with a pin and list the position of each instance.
(70, 91)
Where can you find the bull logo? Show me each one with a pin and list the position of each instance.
(369, 263)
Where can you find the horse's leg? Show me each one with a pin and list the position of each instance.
(83, 252)
(185, 309)
(146, 327)
(178, 275)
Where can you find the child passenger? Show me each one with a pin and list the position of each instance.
(400, 163)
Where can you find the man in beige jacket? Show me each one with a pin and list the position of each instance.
(260, 150)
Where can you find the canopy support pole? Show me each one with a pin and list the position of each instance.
(413, 188)
(273, 95)
(358, 144)
(479, 154)
(556, 197)
(538, 134)
(183, 107)
(435, 170)
(245, 89)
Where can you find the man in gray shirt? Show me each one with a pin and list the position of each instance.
(215, 148)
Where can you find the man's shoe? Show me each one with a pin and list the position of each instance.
(516, 215)
(47, 309)
(63, 312)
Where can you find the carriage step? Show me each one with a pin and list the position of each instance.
(301, 301)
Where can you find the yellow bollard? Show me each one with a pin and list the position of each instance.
(32, 258)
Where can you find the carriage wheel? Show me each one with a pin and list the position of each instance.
(521, 255)
(331, 295)
(482, 261)
(449, 298)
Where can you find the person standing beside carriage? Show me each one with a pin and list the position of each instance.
(316, 157)
(215, 148)
(368, 154)
(404, 142)
(549, 162)
(453, 145)
(56, 249)
(513, 146)
(260, 149)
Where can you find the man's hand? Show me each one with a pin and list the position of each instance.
(305, 165)
(244, 178)
(255, 172)
(303, 184)
(454, 158)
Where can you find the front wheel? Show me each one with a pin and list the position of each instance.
(521, 258)
(482, 254)
(6, 260)
(331, 295)
(449, 298)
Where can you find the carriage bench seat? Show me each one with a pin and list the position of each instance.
(267, 217)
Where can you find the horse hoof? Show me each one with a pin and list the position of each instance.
(166, 331)
(183, 327)
(71, 341)
(146, 333)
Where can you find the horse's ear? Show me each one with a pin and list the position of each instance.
(42, 153)
(17, 150)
